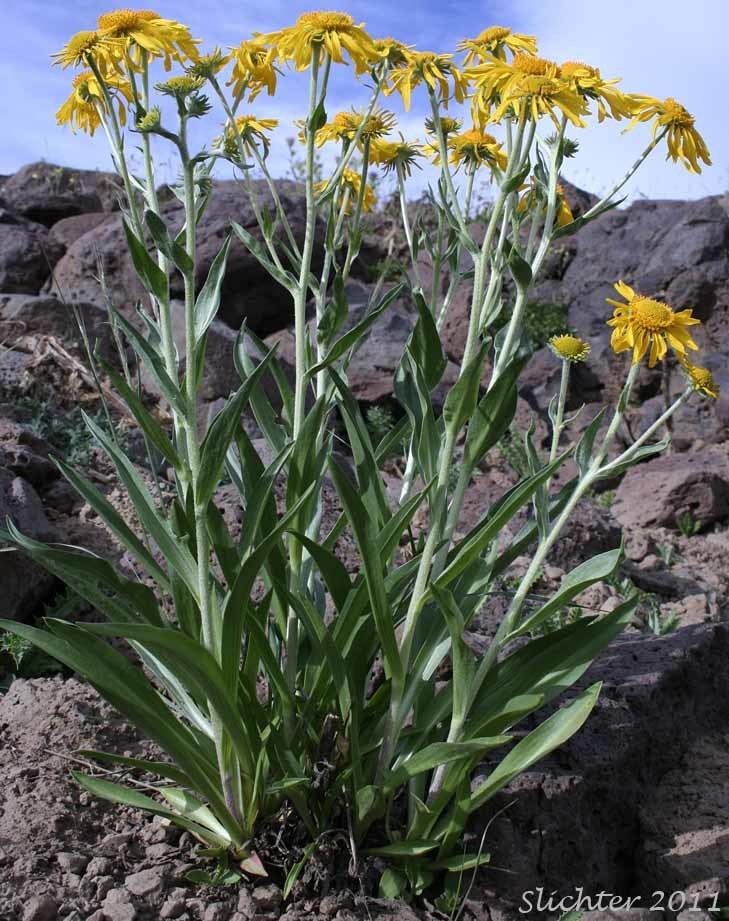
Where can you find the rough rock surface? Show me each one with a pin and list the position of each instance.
(48, 193)
(248, 291)
(27, 254)
(24, 584)
(661, 490)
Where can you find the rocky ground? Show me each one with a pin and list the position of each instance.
(637, 802)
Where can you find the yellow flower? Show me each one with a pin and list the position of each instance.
(253, 69)
(145, 30)
(332, 32)
(588, 81)
(641, 324)
(181, 86)
(701, 379)
(534, 198)
(393, 154)
(102, 49)
(436, 70)
(474, 148)
(392, 51)
(564, 212)
(344, 126)
(496, 40)
(570, 348)
(250, 129)
(448, 125)
(351, 182)
(207, 65)
(85, 105)
(527, 84)
(684, 141)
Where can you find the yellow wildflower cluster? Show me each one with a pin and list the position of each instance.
(351, 183)
(501, 73)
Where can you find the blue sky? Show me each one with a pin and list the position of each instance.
(660, 47)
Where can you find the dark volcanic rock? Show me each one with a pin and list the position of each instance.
(48, 193)
(69, 229)
(577, 818)
(27, 254)
(657, 492)
(248, 291)
(24, 584)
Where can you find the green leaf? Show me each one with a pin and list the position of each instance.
(114, 522)
(393, 884)
(208, 300)
(583, 454)
(552, 733)
(146, 421)
(494, 413)
(124, 796)
(353, 336)
(414, 848)
(220, 434)
(643, 453)
(258, 251)
(583, 576)
(436, 754)
(362, 526)
(520, 269)
(295, 871)
(460, 404)
(165, 244)
(150, 274)
(168, 388)
(460, 863)
(499, 514)
(149, 515)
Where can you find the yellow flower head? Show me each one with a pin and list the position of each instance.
(394, 52)
(610, 102)
(253, 69)
(448, 125)
(641, 324)
(208, 65)
(437, 71)
(535, 198)
(351, 183)
(84, 107)
(145, 30)
(395, 155)
(475, 148)
(181, 86)
(102, 49)
(570, 348)
(331, 32)
(527, 84)
(249, 129)
(344, 126)
(701, 379)
(496, 40)
(684, 141)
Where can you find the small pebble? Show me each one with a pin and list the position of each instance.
(267, 898)
(41, 908)
(72, 863)
(146, 882)
(99, 866)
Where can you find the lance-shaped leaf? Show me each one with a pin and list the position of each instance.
(166, 244)
(462, 398)
(153, 360)
(362, 526)
(150, 274)
(150, 516)
(552, 733)
(353, 336)
(208, 300)
(493, 414)
(583, 576)
(220, 435)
